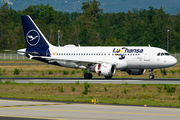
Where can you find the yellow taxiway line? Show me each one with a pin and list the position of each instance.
(33, 105)
(31, 117)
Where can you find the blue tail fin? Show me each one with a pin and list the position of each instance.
(33, 36)
(35, 40)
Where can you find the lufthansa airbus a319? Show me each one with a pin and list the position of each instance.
(101, 60)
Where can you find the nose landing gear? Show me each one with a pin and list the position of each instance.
(151, 76)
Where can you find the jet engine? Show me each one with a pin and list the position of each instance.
(135, 71)
(105, 69)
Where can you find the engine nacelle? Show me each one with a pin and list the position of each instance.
(135, 71)
(105, 69)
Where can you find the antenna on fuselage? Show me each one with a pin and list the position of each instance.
(149, 45)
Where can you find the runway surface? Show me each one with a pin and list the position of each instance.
(14, 109)
(94, 80)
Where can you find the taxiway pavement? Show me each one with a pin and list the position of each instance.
(74, 111)
(93, 81)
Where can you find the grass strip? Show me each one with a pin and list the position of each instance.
(45, 70)
(127, 94)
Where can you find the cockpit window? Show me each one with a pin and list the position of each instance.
(163, 54)
(166, 54)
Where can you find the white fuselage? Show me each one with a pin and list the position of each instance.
(134, 57)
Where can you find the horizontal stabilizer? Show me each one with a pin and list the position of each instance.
(32, 53)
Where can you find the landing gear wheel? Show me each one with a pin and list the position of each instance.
(108, 77)
(88, 76)
(151, 76)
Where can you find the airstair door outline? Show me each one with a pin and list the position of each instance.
(147, 55)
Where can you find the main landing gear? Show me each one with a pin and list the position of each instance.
(151, 76)
(88, 75)
(108, 77)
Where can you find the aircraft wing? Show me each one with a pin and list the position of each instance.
(78, 61)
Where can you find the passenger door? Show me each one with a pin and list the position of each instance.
(147, 55)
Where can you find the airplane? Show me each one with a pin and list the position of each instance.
(102, 60)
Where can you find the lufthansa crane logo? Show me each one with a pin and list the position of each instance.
(32, 37)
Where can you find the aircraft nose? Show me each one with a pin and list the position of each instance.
(173, 61)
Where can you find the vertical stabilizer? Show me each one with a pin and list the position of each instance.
(35, 40)
(33, 36)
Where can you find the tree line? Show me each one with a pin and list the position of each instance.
(93, 27)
